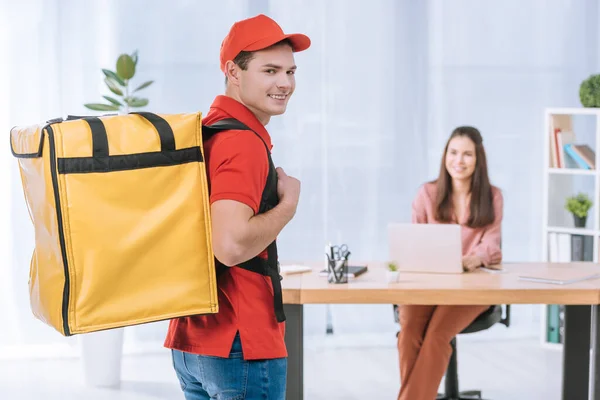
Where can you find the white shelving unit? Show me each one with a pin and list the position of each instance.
(560, 183)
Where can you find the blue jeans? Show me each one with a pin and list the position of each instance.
(233, 378)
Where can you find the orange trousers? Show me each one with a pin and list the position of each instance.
(424, 346)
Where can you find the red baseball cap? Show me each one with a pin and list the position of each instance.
(255, 34)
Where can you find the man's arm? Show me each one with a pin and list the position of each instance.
(239, 235)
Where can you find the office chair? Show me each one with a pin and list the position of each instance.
(485, 320)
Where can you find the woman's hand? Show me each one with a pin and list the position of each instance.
(470, 263)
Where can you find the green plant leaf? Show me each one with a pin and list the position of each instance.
(112, 85)
(136, 102)
(125, 67)
(589, 91)
(134, 57)
(113, 100)
(143, 86)
(101, 107)
(578, 205)
(110, 74)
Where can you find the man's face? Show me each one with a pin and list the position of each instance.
(266, 86)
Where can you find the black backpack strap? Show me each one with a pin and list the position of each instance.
(223, 125)
(269, 199)
(270, 268)
(276, 282)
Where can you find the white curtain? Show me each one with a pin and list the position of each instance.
(378, 94)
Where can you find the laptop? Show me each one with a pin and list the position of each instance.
(435, 248)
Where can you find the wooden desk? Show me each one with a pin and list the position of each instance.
(475, 288)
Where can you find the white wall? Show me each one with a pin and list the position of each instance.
(378, 94)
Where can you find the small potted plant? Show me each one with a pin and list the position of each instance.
(119, 83)
(579, 206)
(589, 91)
(391, 272)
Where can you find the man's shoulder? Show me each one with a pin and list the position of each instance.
(235, 141)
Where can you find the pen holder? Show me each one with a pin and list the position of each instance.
(337, 270)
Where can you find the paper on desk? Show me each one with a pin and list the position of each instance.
(560, 280)
(294, 269)
(492, 271)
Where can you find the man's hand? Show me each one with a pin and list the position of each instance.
(470, 263)
(288, 189)
(238, 234)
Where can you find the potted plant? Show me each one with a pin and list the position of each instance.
(101, 354)
(579, 206)
(391, 273)
(589, 91)
(101, 351)
(118, 82)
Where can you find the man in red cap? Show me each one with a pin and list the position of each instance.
(240, 353)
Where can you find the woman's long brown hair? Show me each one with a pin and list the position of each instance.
(482, 203)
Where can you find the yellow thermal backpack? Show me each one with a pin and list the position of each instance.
(121, 217)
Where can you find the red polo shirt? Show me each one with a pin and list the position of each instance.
(237, 168)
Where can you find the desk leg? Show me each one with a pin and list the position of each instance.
(595, 366)
(294, 341)
(576, 353)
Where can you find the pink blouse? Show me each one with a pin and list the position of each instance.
(483, 242)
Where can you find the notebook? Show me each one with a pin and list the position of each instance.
(294, 269)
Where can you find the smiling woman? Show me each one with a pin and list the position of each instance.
(461, 195)
(464, 169)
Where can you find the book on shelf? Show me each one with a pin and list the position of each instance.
(565, 247)
(576, 155)
(563, 140)
(559, 126)
(565, 151)
(582, 248)
(585, 154)
(561, 323)
(553, 323)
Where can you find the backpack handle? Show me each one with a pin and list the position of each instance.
(100, 139)
(167, 139)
